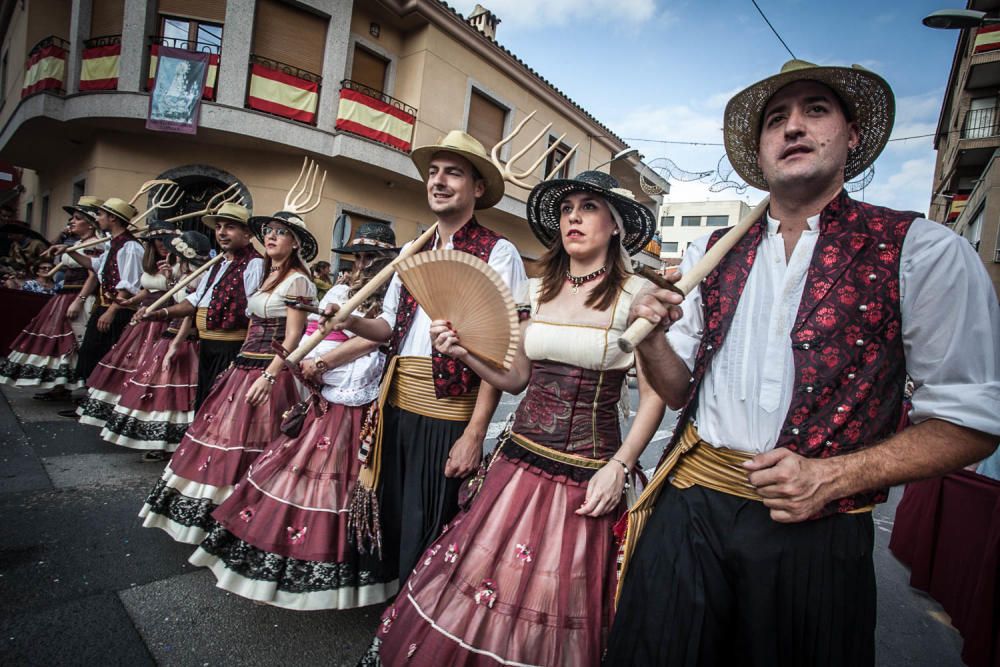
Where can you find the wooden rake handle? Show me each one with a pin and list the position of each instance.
(642, 327)
(184, 282)
(311, 341)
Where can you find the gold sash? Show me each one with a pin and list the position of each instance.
(201, 322)
(412, 389)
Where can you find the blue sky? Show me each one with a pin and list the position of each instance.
(653, 69)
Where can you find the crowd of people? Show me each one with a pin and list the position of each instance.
(357, 477)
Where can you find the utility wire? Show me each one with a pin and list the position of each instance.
(761, 11)
(709, 143)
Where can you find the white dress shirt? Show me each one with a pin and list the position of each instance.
(505, 261)
(950, 329)
(253, 275)
(129, 266)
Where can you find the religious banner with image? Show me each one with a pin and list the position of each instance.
(175, 99)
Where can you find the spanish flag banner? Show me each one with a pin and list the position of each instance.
(374, 119)
(987, 39)
(99, 67)
(282, 94)
(45, 70)
(958, 203)
(213, 71)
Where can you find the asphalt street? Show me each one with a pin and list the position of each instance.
(82, 583)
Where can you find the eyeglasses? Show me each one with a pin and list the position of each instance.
(279, 231)
(44, 268)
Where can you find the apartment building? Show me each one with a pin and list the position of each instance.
(683, 222)
(354, 84)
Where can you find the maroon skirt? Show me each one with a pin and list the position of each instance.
(518, 579)
(226, 436)
(282, 536)
(109, 379)
(157, 405)
(44, 353)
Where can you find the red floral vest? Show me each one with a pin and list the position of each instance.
(227, 309)
(451, 377)
(846, 342)
(110, 273)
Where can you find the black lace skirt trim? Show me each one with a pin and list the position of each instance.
(136, 429)
(14, 371)
(95, 409)
(371, 657)
(514, 452)
(291, 575)
(190, 512)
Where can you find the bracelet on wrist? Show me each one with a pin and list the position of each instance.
(321, 365)
(267, 376)
(626, 485)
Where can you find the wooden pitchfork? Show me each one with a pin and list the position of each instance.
(517, 177)
(230, 195)
(149, 185)
(299, 199)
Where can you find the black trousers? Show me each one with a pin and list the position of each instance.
(415, 498)
(715, 581)
(96, 343)
(214, 356)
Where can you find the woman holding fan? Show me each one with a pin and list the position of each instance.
(527, 574)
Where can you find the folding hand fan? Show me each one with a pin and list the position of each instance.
(464, 290)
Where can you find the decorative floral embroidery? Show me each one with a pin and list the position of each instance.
(324, 442)
(411, 651)
(387, 619)
(246, 514)
(433, 551)
(451, 555)
(486, 593)
(204, 465)
(523, 552)
(296, 535)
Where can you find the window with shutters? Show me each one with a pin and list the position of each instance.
(690, 221)
(369, 69)
(191, 34)
(555, 157)
(717, 220)
(487, 119)
(668, 246)
(668, 221)
(289, 35)
(106, 17)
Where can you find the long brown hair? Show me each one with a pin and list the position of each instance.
(360, 276)
(150, 258)
(555, 265)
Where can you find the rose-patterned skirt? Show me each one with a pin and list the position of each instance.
(282, 537)
(109, 379)
(226, 436)
(517, 579)
(44, 354)
(157, 404)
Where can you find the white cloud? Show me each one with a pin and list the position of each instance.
(908, 187)
(532, 13)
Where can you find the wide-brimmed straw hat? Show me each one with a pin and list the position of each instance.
(376, 238)
(308, 247)
(467, 146)
(87, 207)
(192, 246)
(119, 208)
(228, 212)
(868, 98)
(159, 230)
(545, 199)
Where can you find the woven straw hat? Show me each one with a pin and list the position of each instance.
(308, 247)
(544, 200)
(87, 207)
(228, 212)
(867, 96)
(467, 146)
(120, 209)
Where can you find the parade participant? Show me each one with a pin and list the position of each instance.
(432, 431)
(789, 362)
(322, 278)
(44, 355)
(118, 269)
(282, 537)
(157, 404)
(527, 574)
(110, 377)
(244, 408)
(219, 305)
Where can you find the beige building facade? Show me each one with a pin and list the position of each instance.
(683, 222)
(966, 189)
(353, 84)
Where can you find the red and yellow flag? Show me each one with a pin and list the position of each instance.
(282, 94)
(374, 119)
(44, 70)
(958, 203)
(99, 67)
(987, 39)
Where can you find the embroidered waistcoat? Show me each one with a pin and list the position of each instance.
(847, 347)
(110, 273)
(227, 309)
(451, 377)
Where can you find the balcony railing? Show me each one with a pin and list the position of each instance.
(283, 90)
(45, 68)
(99, 63)
(981, 123)
(372, 114)
(157, 41)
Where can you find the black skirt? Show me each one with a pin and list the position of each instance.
(415, 498)
(97, 343)
(715, 581)
(214, 356)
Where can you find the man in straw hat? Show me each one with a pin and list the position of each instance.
(118, 270)
(789, 362)
(220, 302)
(432, 429)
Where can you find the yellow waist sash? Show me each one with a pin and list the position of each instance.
(411, 388)
(201, 322)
